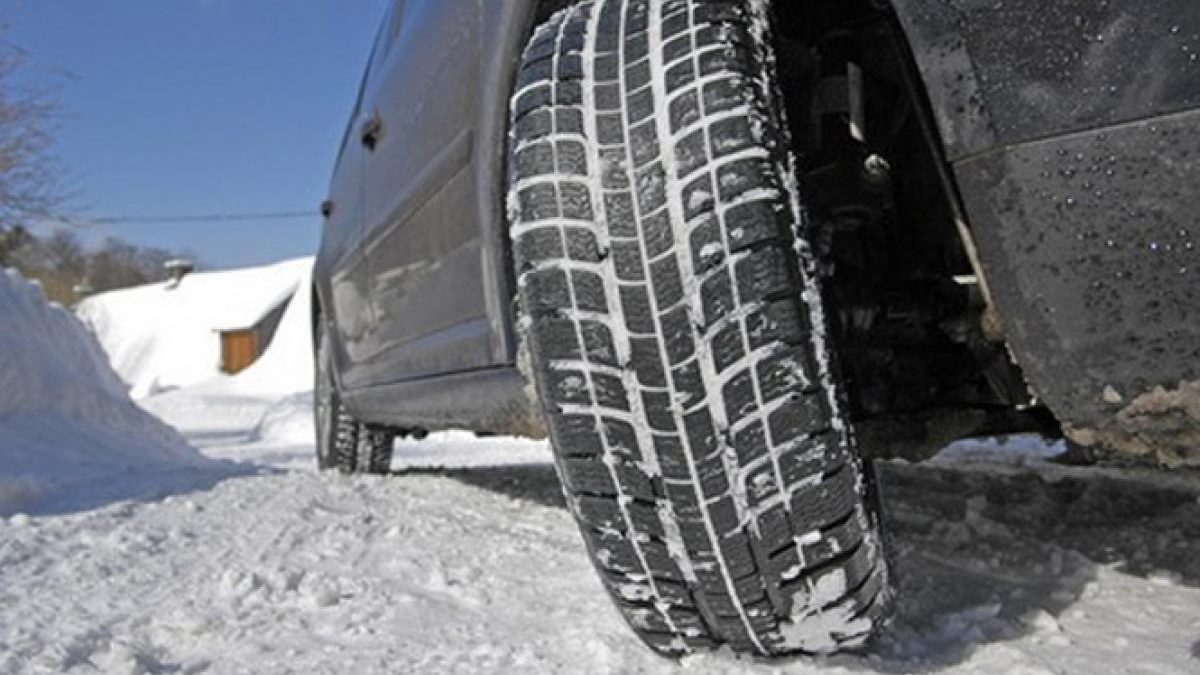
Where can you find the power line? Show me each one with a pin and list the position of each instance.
(196, 218)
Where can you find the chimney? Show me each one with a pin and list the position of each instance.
(177, 269)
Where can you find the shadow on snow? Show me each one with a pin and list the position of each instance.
(979, 555)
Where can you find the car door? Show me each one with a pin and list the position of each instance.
(425, 264)
(342, 260)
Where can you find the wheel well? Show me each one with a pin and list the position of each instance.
(317, 313)
(910, 316)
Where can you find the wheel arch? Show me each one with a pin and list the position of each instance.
(511, 24)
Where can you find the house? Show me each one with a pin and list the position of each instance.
(242, 346)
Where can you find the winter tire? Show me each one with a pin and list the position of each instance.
(343, 443)
(677, 335)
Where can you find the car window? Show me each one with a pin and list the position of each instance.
(389, 28)
(384, 36)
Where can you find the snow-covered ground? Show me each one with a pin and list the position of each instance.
(465, 561)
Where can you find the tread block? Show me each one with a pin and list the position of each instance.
(645, 520)
(753, 223)
(568, 387)
(690, 154)
(621, 438)
(778, 321)
(618, 215)
(659, 414)
(740, 176)
(714, 480)
(651, 188)
(606, 68)
(643, 143)
(728, 347)
(607, 96)
(589, 291)
(698, 200)
(724, 514)
(841, 538)
(716, 297)
(677, 48)
(576, 436)
(539, 96)
(688, 383)
(627, 260)
(750, 443)
(722, 95)
(588, 476)
(760, 484)
(534, 126)
(677, 330)
(576, 201)
(538, 244)
(817, 455)
(657, 234)
(582, 244)
(635, 305)
(684, 111)
(680, 75)
(535, 159)
(671, 459)
(570, 67)
(613, 172)
(639, 106)
(539, 202)
(786, 372)
(598, 343)
(686, 505)
(568, 121)
(545, 289)
(764, 273)
(637, 75)
(572, 158)
(567, 92)
(739, 397)
(646, 361)
(819, 506)
(556, 338)
(701, 434)
(668, 285)
(731, 135)
(610, 129)
(800, 415)
(610, 391)
(602, 513)
(775, 535)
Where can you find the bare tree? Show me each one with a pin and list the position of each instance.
(30, 186)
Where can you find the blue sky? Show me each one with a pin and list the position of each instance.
(199, 106)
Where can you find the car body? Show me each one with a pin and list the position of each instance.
(1065, 139)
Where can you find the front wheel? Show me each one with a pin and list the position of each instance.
(343, 443)
(677, 336)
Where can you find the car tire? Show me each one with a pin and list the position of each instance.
(343, 443)
(678, 342)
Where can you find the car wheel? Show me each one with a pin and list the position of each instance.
(343, 443)
(676, 329)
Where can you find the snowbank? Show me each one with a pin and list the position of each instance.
(68, 430)
(161, 337)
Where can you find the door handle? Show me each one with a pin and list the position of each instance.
(370, 130)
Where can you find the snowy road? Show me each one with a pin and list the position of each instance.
(278, 569)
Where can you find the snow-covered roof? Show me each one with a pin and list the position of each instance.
(161, 337)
